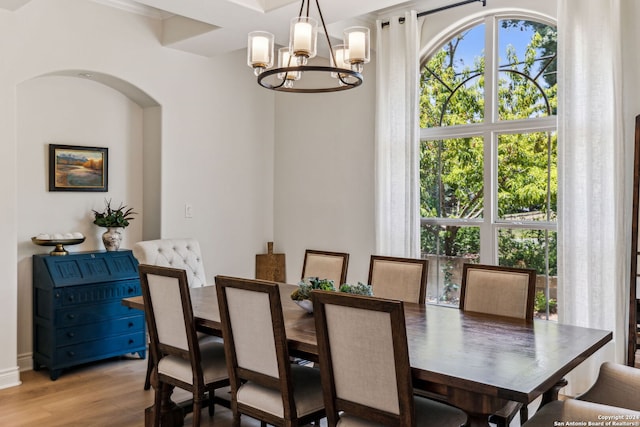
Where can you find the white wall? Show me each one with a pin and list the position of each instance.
(324, 178)
(8, 214)
(216, 129)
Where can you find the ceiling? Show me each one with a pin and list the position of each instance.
(214, 27)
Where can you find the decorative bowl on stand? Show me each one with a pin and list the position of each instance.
(58, 243)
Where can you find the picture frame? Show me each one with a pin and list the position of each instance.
(78, 168)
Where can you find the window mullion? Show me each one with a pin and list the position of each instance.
(488, 233)
(490, 67)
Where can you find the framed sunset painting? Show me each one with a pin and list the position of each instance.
(78, 168)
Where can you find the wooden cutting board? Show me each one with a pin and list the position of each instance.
(271, 266)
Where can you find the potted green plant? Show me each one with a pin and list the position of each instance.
(114, 220)
(302, 294)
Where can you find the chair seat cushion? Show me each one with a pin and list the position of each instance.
(214, 367)
(307, 391)
(429, 413)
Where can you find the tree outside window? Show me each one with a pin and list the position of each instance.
(488, 159)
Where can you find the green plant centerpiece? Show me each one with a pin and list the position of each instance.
(114, 220)
(359, 289)
(302, 294)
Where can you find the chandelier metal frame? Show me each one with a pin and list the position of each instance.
(344, 78)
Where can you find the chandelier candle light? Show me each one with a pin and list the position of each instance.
(346, 61)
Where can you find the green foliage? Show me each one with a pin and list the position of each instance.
(452, 170)
(359, 289)
(526, 249)
(540, 304)
(309, 284)
(110, 217)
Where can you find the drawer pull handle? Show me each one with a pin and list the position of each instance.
(131, 290)
(71, 334)
(71, 353)
(130, 341)
(130, 324)
(70, 297)
(71, 316)
(57, 294)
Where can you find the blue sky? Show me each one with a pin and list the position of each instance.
(473, 44)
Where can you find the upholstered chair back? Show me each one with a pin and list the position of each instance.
(502, 291)
(399, 278)
(252, 327)
(174, 253)
(167, 308)
(617, 385)
(326, 265)
(264, 383)
(613, 395)
(372, 376)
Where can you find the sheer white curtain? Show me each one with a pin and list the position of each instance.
(397, 213)
(592, 241)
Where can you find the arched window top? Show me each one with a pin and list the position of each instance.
(520, 69)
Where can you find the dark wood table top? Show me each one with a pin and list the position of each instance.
(456, 353)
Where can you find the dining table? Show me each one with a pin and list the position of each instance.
(476, 362)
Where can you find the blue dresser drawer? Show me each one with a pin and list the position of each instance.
(93, 331)
(85, 314)
(113, 346)
(79, 295)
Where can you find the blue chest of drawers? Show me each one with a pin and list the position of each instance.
(77, 313)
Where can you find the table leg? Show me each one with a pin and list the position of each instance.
(478, 420)
(552, 394)
(171, 415)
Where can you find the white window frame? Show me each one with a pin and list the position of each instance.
(489, 130)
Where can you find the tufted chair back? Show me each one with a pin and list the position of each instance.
(175, 253)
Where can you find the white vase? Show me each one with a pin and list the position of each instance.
(305, 304)
(112, 238)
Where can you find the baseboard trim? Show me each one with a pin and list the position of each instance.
(10, 378)
(25, 362)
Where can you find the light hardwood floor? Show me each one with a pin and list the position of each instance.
(108, 393)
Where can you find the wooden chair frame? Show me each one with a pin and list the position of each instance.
(423, 278)
(531, 290)
(238, 375)
(345, 263)
(334, 404)
(163, 383)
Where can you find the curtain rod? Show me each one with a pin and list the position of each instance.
(440, 9)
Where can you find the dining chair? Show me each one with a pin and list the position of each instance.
(264, 384)
(326, 265)
(181, 253)
(181, 359)
(614, 394)
(498, 290)
(404, 279)
(366, 376)
(501, 291)
(174, 253)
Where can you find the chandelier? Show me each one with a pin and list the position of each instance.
(346, 61)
